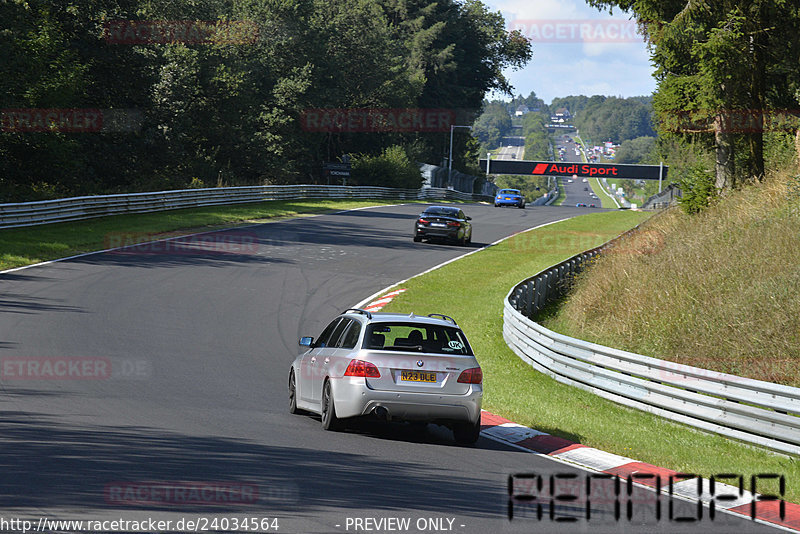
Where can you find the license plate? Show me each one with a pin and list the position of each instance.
(417, 376)
(438, 224)
(508, 198)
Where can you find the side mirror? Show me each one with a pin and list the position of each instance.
(307, 341)
(468, 218)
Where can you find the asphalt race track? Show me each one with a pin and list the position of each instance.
(576, 191)
(182, 354)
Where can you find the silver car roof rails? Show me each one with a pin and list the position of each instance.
(445, 317)
(359, 310)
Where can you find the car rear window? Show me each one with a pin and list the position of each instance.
(416, 337)
(448, 212)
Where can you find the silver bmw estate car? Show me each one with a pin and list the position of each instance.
(391, 366)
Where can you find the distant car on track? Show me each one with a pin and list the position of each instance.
(580, 205)
(389, 366)
(509, 197)
(443, 222)
(592, 206)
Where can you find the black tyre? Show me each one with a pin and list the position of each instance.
(522, 206)
(292, 394)
(467, 433)
(417, 239)
(329, 419)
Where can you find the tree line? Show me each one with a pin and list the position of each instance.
(222, 110)
(727, 78)
(599, 118)
(602, 118)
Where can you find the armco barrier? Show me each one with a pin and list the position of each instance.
(757, 412)
(79, 208)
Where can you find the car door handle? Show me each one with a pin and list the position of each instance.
(327, 360)
(314, 359)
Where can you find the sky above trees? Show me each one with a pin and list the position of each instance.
(606, 64)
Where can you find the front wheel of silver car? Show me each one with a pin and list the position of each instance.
(293, 409)
(329, 419)
(467, 433)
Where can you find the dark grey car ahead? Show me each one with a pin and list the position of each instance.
(443, 222)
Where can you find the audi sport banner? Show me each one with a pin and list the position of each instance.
(582, 170)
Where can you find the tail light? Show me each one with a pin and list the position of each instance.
(471, 376)
(362, 369)
(423, 221)
(453, 223)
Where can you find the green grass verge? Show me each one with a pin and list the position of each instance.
(514, 390)
(597, 188)
(34, 244)
(562, 196)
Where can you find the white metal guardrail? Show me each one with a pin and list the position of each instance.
(757, 412)
(79, 208)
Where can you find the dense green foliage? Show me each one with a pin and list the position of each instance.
(492, 125)
(638, 150)
(537, 140)
(533, 102)
(698, 190)
(391, 166)
(721, 66)
(499, 117)
(574, 103)
(614, 119)
(222, 112)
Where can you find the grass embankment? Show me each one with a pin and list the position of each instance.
(562, 196)
(34, 244)
(717, 290)
(605, 200)
(514, 390)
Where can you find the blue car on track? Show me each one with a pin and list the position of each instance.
(509, 197)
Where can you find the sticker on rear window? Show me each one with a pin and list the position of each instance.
(455, 345)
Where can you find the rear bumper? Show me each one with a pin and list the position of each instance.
(439, 233)
(507, 202)
(353, 399)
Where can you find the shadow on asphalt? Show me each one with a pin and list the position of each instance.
(46, 464)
